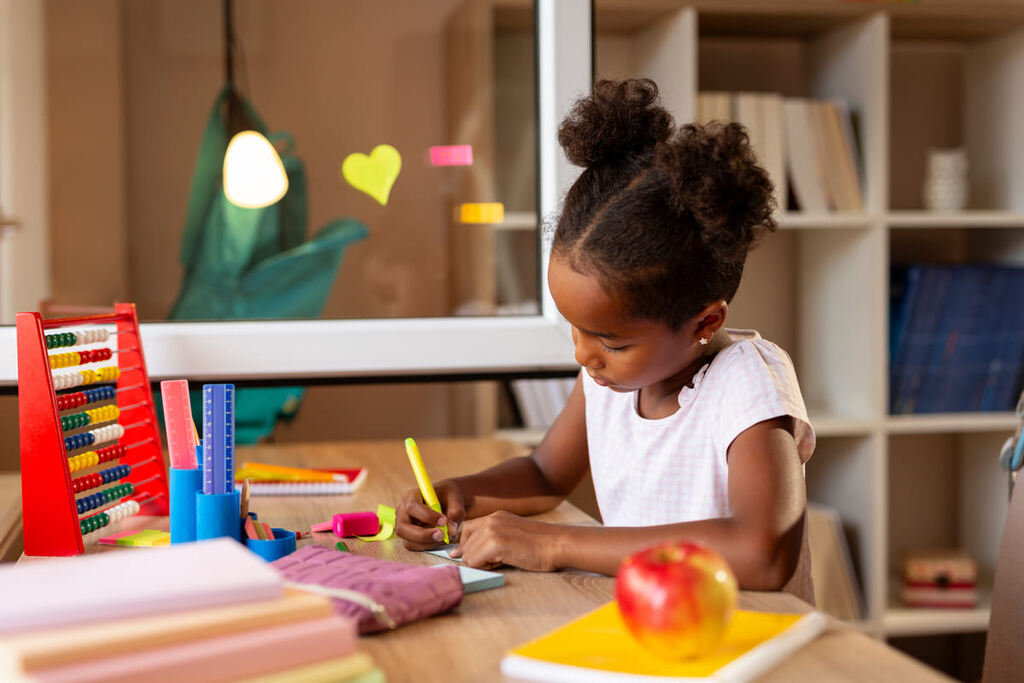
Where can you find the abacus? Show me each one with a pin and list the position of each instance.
(59, 431)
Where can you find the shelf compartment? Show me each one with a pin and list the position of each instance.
(944, 491)
(952, 93)
(845, 474)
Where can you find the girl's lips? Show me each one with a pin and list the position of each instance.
(599, 381)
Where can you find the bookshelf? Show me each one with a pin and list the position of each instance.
(918, 76)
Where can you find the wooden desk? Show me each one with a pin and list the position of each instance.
(10, 516)
(468, 644)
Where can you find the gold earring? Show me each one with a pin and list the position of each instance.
(703, 341)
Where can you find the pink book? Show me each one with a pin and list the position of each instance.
(113, 585)
(220, 659)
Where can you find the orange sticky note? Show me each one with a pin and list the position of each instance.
(490, 212)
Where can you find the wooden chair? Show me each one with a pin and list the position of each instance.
(1004, 649)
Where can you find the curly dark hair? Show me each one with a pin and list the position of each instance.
(664, 217)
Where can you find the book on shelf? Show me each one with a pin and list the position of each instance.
(808, 147)
(540, 401)
(836, 591)
(956, 338)
(806, 176)
(714, 106)
(761, 114)
(598, 647)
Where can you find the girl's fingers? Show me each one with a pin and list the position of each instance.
(422, 514)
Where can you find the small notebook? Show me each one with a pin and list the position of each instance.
(474, 580)
(597, 647)
(291, 487)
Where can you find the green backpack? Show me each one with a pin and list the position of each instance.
(255, 264)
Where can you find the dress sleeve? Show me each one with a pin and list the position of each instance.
(757, 383)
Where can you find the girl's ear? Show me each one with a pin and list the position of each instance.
(711, 319)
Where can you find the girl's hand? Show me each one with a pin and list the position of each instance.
(417, 524)
(503, 538)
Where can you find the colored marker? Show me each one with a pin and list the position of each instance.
(423, 480)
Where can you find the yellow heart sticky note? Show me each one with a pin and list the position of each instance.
(374, 174)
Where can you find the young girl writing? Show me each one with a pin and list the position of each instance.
(690, 430)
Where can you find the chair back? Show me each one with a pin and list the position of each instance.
(1004, 648)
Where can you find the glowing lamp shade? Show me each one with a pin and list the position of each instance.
(254, 176)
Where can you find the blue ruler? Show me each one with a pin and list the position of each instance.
(218, 438)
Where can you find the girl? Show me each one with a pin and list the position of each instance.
(690, 430)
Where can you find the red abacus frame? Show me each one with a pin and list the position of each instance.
(50, 517)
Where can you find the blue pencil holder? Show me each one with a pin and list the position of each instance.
(217, 516)
(283, 544)
(185, 484)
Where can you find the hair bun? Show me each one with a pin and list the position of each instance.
(620, 119)
(714, 176)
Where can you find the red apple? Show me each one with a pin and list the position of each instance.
(676, 598)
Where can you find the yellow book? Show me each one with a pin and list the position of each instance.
(354, 668)
(598, 647)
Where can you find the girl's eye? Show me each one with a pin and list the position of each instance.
(613, 349)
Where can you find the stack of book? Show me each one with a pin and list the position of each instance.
(209, 611)
(940, 578)
(956, 339)
(807, 146)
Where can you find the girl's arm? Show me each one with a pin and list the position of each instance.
(761, 541)
(525, 486)
(538, 482)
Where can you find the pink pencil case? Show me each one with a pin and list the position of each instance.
(378, 594)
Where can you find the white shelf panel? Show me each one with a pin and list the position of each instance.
(831, 425)
(902, 621)
(517, 220)
(921, 621)
(524, 436)
(956, 219)
(951, 423)
(798, 220)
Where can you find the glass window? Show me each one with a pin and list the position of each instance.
(131, 87)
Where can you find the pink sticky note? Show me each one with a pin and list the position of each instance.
(112, 539)
(452, 155)
(356, 524)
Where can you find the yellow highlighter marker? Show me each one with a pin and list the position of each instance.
(426, 488)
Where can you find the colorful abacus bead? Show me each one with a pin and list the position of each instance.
(91, 336)
(65, 360)
(111, 453)
(72, 443)
(84, 461)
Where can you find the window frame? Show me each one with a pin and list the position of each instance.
(386, 348)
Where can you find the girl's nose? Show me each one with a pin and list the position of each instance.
(585, 352)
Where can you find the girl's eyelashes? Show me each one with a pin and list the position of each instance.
(613, 349)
